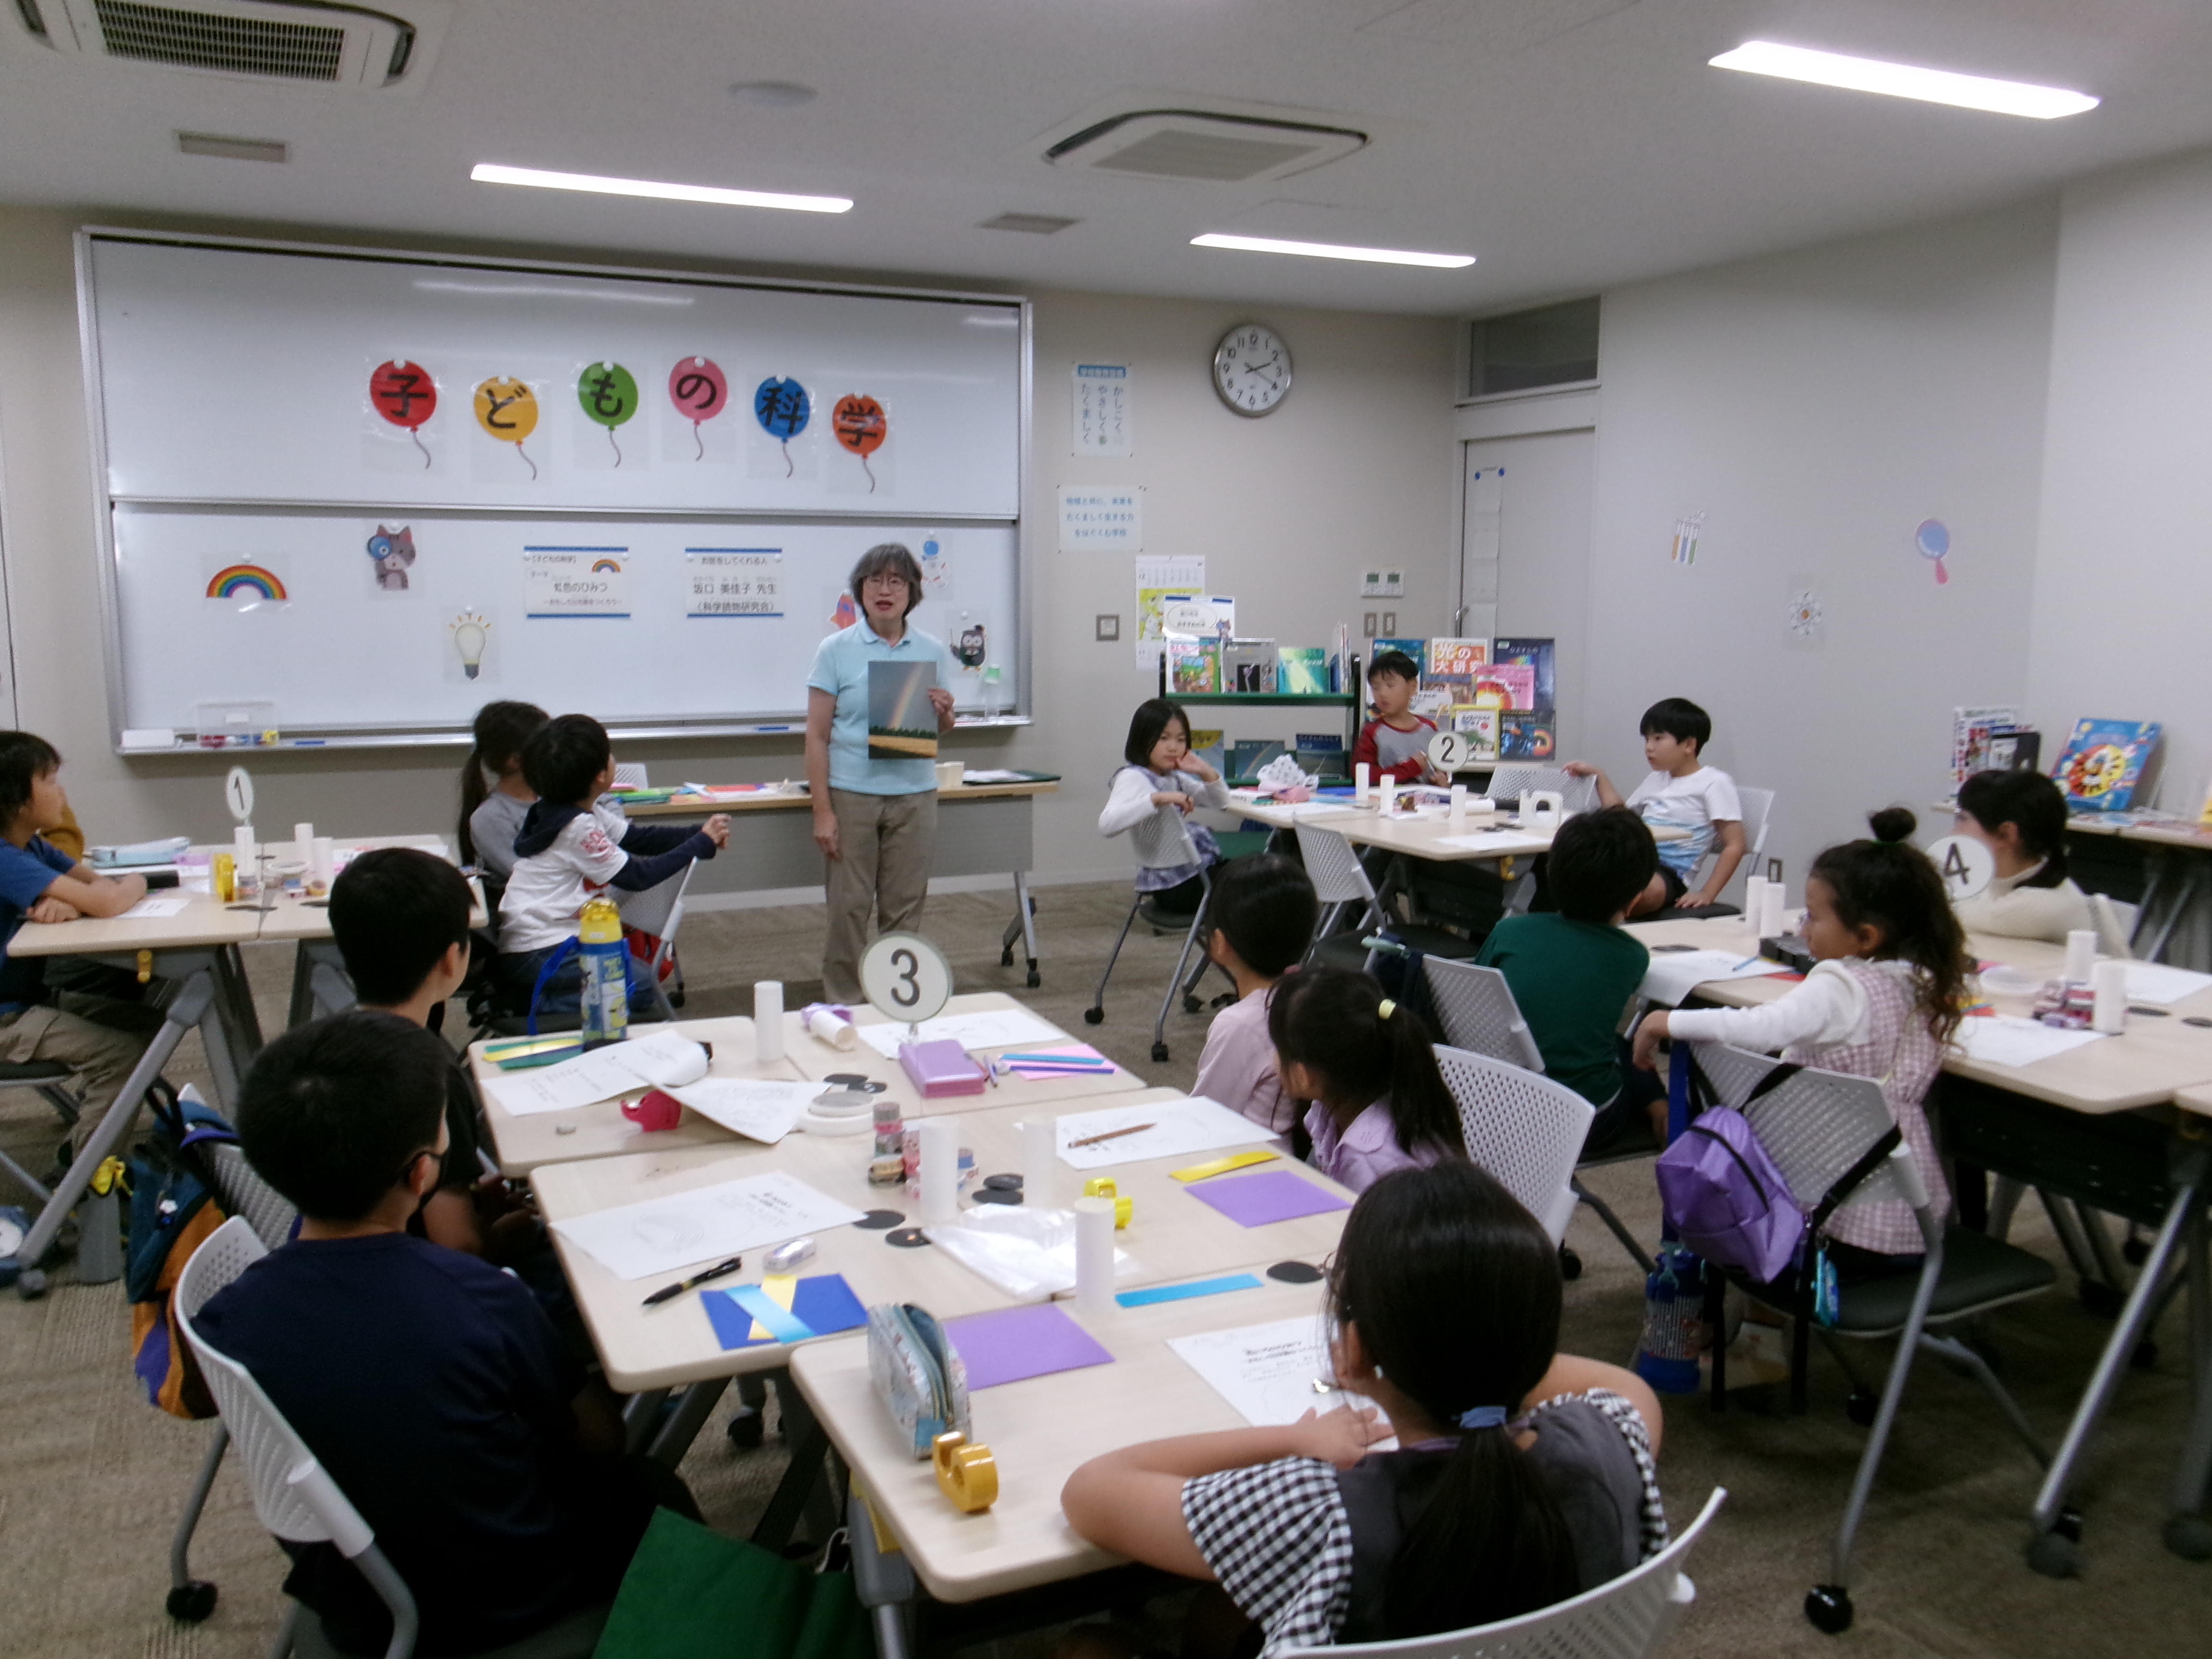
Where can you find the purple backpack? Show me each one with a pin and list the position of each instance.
(1724, 1198)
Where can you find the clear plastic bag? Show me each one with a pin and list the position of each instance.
(1028, 1254)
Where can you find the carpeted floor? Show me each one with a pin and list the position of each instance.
(91, 1478)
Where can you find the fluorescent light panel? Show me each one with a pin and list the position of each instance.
(1374, 256)
(486, 173)
(1830, 69)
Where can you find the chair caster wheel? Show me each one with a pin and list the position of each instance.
(2188, 1536)
(747, 1429)
(2100, 1298)
(1570, 1264)
(1861, 1407)
(1192, 1005)
(2057, 1553)
(1829, 1607)
(31, 1285)
(191, 1602)
(1035, 979)
(1160, 1051)
(1094, 1016)
(2135, 1251)
(2145, 1358)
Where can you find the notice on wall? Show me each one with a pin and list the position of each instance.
(1161, 582)
(575, 581)
(734, 581)
(1104, 406)
(1100, 519)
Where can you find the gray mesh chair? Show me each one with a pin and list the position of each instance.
(1575, 794)
(1524, 1129)
(1191, 964)
(1819, 1128)
(1629, 1617)
(51, 1081)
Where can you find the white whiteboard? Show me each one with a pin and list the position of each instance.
(340, 653)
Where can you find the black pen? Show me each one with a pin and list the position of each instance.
(720, 1269)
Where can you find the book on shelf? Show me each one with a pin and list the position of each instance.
(1433, 701)
(2020, 749)
(1540, 656)
(1247, 666)
(1248, 755)
(1194, 666)
(1505, 685)
(1340, 661)
(1321, 762)
(1205, 744)
(1528, 736)
(1302, 671)
(1416, 649)
(1971, 732)
(2105, 762)
(1453, 661)
(1480, 726)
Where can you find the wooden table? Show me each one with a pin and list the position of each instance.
(818, 1058)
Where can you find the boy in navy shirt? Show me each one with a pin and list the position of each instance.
(427, 1382)
(40, 882)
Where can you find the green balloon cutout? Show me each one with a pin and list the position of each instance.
(608, 393)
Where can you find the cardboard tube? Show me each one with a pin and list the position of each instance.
(1774, 923)
(940, 1169)
(767, 1020)
(1360, 774)
(1039, 1163)
(827, 1027)
(303, 841)
(1754, 906)
(1387, 794)
(1094, 1256)
(2109, 1012)
(323, 860)
(244, 846)
(2081, 956)
(1457, 814)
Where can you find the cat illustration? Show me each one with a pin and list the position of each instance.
(393, 551)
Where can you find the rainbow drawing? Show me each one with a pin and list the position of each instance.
(598, 565)
(233, 580)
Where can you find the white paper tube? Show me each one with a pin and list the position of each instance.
(1457, 814)
(324, 858)
(1387, 794)
(2109, 1012)
(1039, 1158)
(1774, 924)
(1094, 1256)
(303, 841)
(2081, 954)
(767, 1020)
(940, 1169)
(826, 1026)
(1754, 905)
(1360, 776)
(243, 845)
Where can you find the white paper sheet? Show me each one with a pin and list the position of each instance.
(662, 1235)
(1674, 974)
(1267, 1372)
(614, 1070)
(996, 774)
(2155, 982)
(156, 904)
(758, 1108)
(1178, 1127)
(1501, 840)
(2009, 1040)
(994, 1028)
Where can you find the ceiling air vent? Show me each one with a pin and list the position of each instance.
(1191, 144)
(1029, 224)
(300, 42)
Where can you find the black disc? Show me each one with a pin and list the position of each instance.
(2148, 1013)
(2196, 1020)
(907, 1239)
(854, 1081)
(1002, 1183)
(998, 1195)
(1294, 1272)
(876, 1220)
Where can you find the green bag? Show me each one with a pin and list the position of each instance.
(692, 1594)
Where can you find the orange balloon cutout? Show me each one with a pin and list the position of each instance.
(861, 426)
(506, 409)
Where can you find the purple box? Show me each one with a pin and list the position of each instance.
(942, 1068)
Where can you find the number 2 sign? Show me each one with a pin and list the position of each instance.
(1451, 750)
(905, 978)
(1966, 866)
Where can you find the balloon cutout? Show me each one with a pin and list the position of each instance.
(609, 395)
(405, 395)
(507, 412)
(860, 426)
(1933, 538)
(783, 409)
(699, 391)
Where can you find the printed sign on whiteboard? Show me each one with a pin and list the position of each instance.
(575, 581)
(1102, 410)
(735, 581)
(1101, 520)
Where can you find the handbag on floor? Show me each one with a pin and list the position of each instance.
(692, 1594)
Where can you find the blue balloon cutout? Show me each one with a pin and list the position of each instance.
(1933, 538)
(782, 407)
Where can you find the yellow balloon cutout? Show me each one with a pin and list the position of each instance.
(507, 412)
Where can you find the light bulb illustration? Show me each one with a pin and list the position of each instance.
(472, 637)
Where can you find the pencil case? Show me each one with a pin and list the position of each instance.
(143, 852)
(942, 1068)
(917, 1373)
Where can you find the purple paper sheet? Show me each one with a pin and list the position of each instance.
(1016, 1343)
(1256, 1200)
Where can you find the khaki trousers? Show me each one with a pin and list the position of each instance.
(887, 844)
(100, 1055)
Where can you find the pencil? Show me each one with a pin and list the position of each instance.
(1111, 1134)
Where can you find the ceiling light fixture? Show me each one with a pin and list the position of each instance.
(1375, 255)
(1932, 86)
(485, 172)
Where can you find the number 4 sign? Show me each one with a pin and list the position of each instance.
(905, 978)
(1966, 866)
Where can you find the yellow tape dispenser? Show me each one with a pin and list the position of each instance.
(967, 1474)
(1102, 1186)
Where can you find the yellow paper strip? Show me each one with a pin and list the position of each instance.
(778, 1288)
(1223, 1165)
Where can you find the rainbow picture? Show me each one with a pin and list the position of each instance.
(232, 580)
(598, 565)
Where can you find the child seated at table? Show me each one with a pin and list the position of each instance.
(2020, 817)
(1681, 792)
(102, 1039)
(429, 1383)
(1572, 970)
(1367, 1067)
(496, 797)
(573, 848)
(1523, 1476)
(1396, 743)
(1152, 795)
(1260, 924)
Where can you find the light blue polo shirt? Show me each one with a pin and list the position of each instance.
(840, 668)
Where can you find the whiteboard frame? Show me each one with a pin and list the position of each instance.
(403, 737)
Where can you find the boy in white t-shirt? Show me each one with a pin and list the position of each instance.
(1680, 793)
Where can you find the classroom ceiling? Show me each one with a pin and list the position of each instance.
(1569, 144)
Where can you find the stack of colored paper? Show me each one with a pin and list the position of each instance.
(1074, 1059)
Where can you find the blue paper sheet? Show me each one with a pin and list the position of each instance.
(1184, 1292)
(820, 1305)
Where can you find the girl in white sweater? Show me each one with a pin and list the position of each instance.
(1152, 797)
(2020, 817)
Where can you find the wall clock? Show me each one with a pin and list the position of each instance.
(1252, 370)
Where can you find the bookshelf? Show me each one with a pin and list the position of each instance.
(1349, 701)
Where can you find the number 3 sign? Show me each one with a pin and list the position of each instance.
(905, 978)
(1966, 866)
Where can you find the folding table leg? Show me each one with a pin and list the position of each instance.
(1025, 913)
(883, 1580)
(674, 1436)
(2188, 1530)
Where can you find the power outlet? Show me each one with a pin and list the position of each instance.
(1367, 624)
(1389, 626)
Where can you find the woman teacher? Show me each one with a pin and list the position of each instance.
(875, 816)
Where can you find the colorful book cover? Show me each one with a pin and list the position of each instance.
(1207, 744)
(1248, 755)
(1541, 655)
(1247, 666)
(902, 721)
(1506, 686)
(1434, 701)
(1318, 740)
(1302, 671)
(1971, 731)
(1455, 660)
(1417, 649)
(1527, 737)
(2015, 751)
(2105, 762)
(1480, 726)
(1194, 667)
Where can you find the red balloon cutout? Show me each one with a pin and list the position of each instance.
(699, 390)
(405, 395)
(860, 426)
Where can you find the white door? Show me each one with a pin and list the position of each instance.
(1524, 552)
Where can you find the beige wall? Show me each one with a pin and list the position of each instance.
(1357, 465)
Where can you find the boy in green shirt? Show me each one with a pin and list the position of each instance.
(1573, 970)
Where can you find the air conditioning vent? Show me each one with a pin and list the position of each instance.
(1030, 224)
(1192, 144)
(311, 42)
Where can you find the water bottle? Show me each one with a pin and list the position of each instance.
(605, 997)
